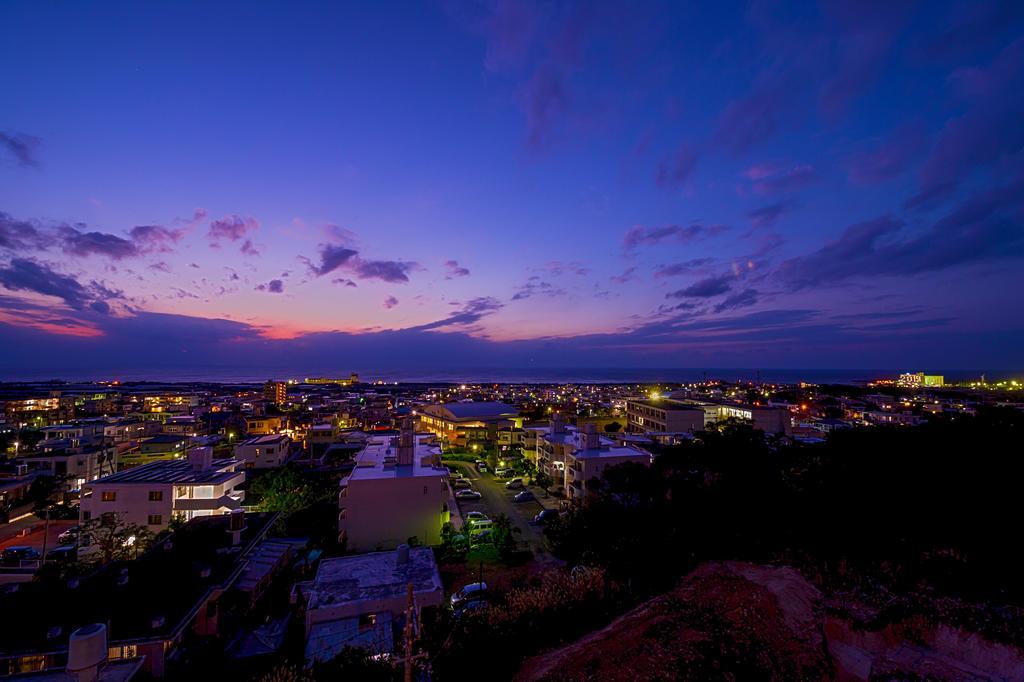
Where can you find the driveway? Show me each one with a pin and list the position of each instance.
(497, 500)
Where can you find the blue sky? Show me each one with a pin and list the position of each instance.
(642, 184)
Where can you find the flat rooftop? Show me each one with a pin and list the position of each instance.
(667, 404)
(264, 440)
(370, 462)
(376, 575)
(177, 472)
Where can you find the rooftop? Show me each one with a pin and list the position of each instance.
(264, 440)
(376, 575)
(481, 410)
(148, 597)
(666, 404)
(176, 472)
(370, 462)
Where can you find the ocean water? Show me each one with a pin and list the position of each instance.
(504, 375)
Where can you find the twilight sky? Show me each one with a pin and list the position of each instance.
(507, 183)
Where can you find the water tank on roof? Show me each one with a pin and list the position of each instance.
(87, 651)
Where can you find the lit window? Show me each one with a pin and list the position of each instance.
(109, 496)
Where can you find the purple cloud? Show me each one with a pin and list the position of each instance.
(385, 270)
(988, 131)
(77, 243)
(332, 257)
(705, 288)
(558, 268)
(155, 237)
(390, 302)
(21, 147)
(455, 270)
(536, 287)
(274, 286)
(232, 228)
(638, 235)
(684, 268)
(768, 215)
(470, 312)
(19, 234)
(22, 274)
(741, 299)
(767, 178)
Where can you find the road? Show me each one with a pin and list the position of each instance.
(29, 531)
(497, 500)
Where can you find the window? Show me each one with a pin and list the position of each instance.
(86, 515)
(109, 496)
(367, 621)
(155, 520)
(156, 495)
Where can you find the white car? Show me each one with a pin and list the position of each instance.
(467, 495)
(475, 518)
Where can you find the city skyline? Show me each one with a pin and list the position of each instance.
(511, 185)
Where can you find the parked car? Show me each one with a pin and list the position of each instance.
(482, 538)
(468, 593)
(524, 496)
(467, 495)
(474, 516)
(12, 556)
(461, 484)
(481, 466)
(515, 484)
(545, 515)
(68, 537)
(64, 553)
(469, 607)
(504, 473)
(482, 526)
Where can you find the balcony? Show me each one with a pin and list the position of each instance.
(232, 500)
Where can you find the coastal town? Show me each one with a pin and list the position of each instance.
(301, 519)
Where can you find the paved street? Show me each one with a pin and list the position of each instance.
(497, 500)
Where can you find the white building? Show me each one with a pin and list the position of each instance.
(590, 455)
(152, 494)
(263, 452)
(397, 490)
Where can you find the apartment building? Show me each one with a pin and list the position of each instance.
(663, 416)
(398, 490)
(590, 455)
(152, 494)
(468, 422)
(263, 452)
(552, 444)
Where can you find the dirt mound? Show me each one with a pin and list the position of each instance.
(740, 621)
(724, 620)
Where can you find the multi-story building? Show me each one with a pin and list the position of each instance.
(163, 446)
(467, 423)
(663, 415)
(276, 392)
(152, 494)
(264, 425)
(552, 443)
(921, 380)
(398, 490)
(74, 461)
(590, 455)
(263, 452)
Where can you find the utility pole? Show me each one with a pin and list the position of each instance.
(410, 614)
